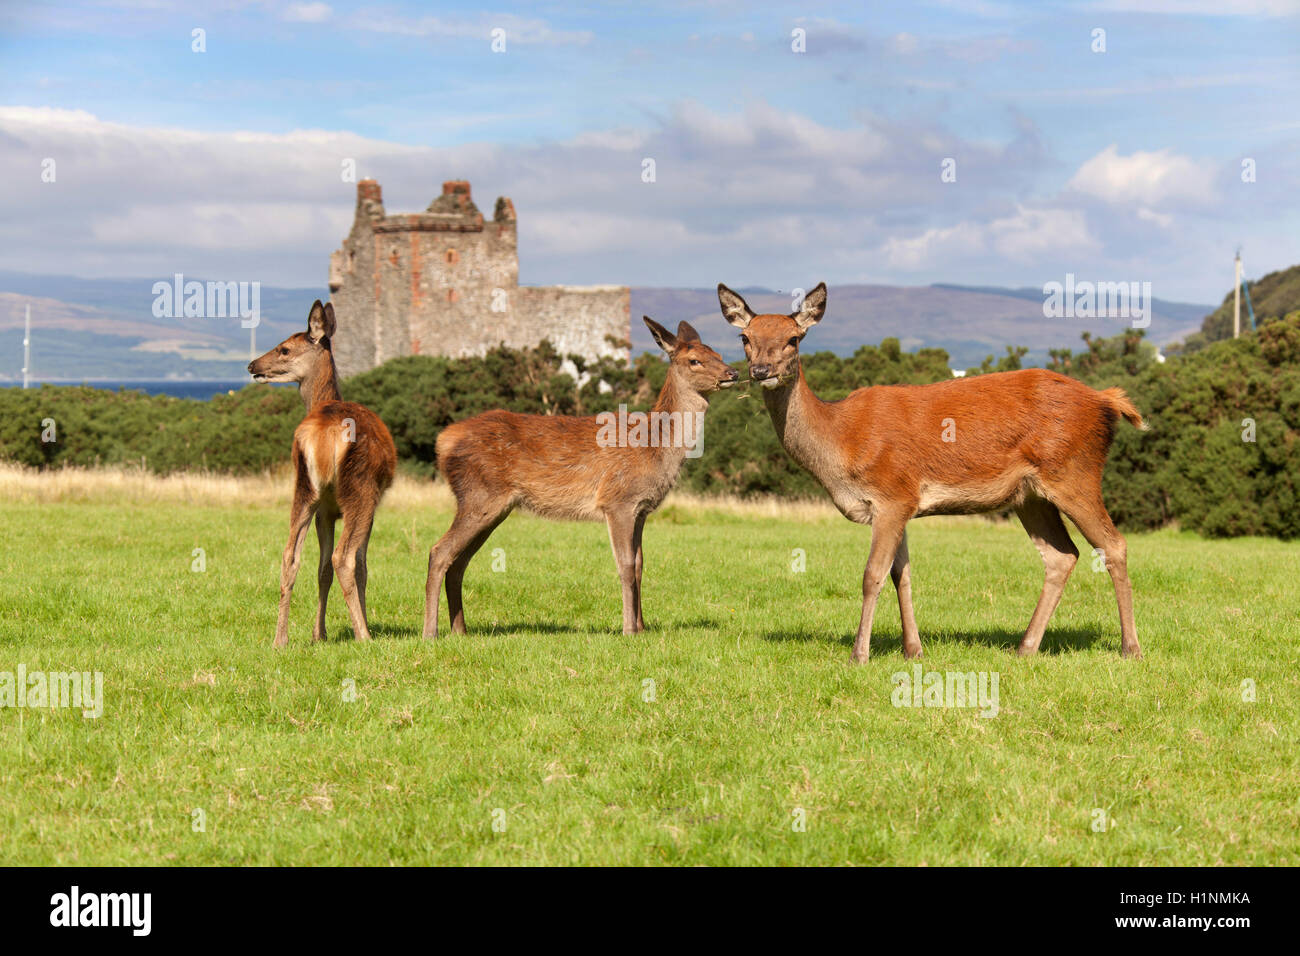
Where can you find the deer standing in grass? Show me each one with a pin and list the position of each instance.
(567, 468)
(1030, 440)
(343, 462)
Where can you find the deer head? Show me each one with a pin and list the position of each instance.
(701, 368)
(298, 357)
(771, 340)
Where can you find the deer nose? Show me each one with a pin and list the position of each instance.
(732, 375)
(250, 368)
(760, 372)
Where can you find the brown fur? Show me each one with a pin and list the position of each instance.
(1031, 440)
(554, 466)
(343, 461)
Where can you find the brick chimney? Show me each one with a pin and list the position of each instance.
(456, 187)
(369, 189)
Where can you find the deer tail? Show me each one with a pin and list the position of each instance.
(1120, 402)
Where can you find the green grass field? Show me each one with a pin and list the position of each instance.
(538, 718)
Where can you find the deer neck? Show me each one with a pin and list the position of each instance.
(801, 422)
(321, 385)
(676, 397)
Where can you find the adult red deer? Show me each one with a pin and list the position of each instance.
(343, 462)
(1030, 440)
(571, 468)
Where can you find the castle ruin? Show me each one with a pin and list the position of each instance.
(446, 282)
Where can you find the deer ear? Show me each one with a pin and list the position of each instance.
(686, 333)
(666, 340)
(734, 308)
(316, 321)
(320, 321)
(813, 308)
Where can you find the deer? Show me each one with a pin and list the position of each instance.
(573, 468)
(1031, 440)
(343, 462)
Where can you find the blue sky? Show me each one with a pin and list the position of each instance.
(772, 167)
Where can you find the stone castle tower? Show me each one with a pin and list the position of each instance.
(446, 282)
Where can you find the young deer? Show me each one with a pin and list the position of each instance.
(1030, 440)
(571, 468)
(343, 461)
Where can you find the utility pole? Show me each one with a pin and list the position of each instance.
(27, 347)
(1236, 297)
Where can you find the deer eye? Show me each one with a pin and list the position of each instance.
(284, 351)
(696, 362)
(744, 341)
(793, 343)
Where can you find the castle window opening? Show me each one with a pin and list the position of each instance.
(453, 257)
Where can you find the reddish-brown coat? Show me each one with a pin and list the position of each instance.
(1011, 434)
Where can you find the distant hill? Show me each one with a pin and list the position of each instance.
(969, 322)
(1273, 296)
(105, 329)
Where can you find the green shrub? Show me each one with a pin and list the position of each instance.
(1193, 467)
(1223, 453)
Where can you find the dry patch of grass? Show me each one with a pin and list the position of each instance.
(133, 485)
(137, 486)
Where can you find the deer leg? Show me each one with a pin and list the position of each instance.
(1094, 521)
(621, 533)
(468, 525)
(325, 570)
(304, 506)
(356, 534)
(456, 577)
(901, 573)
(638, 563)
(1042, 522)
(886, 535)
(362, 576)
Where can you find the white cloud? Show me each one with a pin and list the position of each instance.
(1162, 220)
(1028, 236)
(1144, 178)
(518, 29)
(250, 227)
(308, 12)
(931, 247)
(904, 43)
